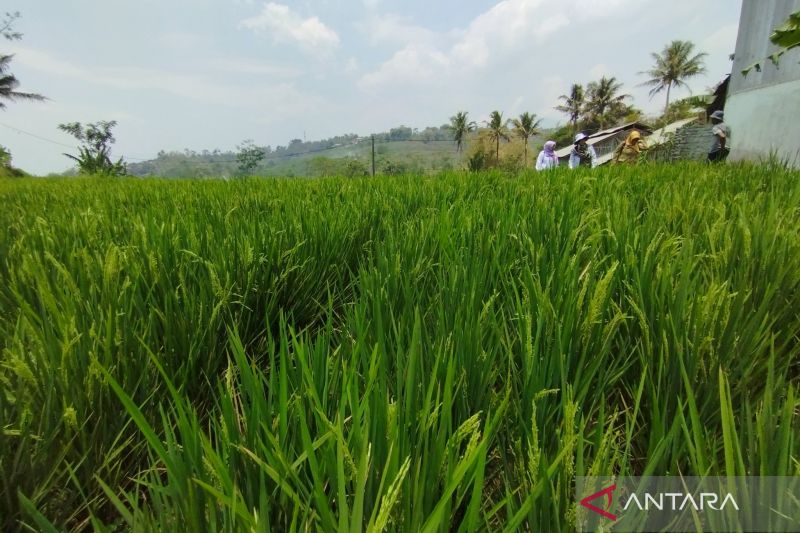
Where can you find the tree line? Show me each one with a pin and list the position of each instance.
(596, 106)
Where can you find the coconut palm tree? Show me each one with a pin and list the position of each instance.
(676, 63)
(603, 103)
(8, 82)
(497, 130)
(525, 127)
(573, 104)
(461, 126)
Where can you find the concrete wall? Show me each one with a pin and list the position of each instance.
(691, 143)
(763, 108)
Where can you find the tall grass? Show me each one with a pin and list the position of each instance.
(405, 354)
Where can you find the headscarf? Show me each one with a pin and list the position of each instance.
(633, 140)
(630, 149)
(550, 149)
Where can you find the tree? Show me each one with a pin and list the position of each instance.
(8, 82)
(573, 104)
(6, 169)
(675, 64)
(248, 156)
(7, 26)
(525, 127)
(604, 104)
(461, 126)
(94, 154)
(497, 130)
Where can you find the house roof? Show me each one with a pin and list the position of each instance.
(660, 136)
(605, 134)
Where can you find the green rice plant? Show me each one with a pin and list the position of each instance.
(406, 354)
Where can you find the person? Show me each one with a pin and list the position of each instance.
(547, 157)
(582, 155)
(629, 150)
(721, 131)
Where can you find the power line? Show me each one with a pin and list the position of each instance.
(51, 141)
(45, 139)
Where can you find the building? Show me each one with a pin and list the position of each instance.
(606, 141)
(763, 107)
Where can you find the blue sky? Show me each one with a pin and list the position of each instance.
(206, 74)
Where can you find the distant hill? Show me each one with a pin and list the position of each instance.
(401, 149)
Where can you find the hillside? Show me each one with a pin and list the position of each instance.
(399, 150)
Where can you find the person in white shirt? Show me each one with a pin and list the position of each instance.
(547, 157)
(582, 155)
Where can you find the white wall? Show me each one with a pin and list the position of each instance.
(763, 108)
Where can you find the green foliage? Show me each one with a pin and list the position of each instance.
(248, 157)
(392, 167)
(8, 82)
(477, 161)
(295, 158)
(786, 36)
(94, 156)
(525, 127)
(574, 105)
(497, 130)
(461, 126)
(7, 26)
(688, 107)
(402, 133)
(5, 157)
(675, 64)
(401, 354)
(326, 166)
(604, 105)
(6, 170)
(564, 135)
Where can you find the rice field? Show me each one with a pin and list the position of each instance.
(422, 354)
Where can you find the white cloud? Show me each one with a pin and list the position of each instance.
(589, 9)
(287, 26)
(199, 88)
(507, 28)
(413, 64)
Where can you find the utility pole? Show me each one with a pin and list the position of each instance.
(373, 156)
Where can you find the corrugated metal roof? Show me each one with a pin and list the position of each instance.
(605, 134)
(659, 137)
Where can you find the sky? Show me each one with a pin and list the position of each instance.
(208, 74)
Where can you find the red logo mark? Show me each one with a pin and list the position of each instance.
(608, 492)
